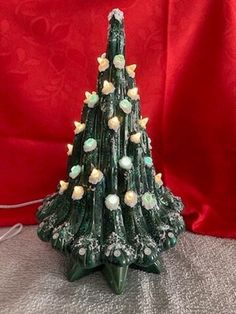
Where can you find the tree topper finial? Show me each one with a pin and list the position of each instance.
(117, 13)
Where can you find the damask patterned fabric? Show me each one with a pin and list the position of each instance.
(186, 57)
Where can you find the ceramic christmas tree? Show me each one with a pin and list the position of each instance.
(113, 211)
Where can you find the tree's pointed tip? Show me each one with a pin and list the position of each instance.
(116, 277)
(118, 15)
(155, 268)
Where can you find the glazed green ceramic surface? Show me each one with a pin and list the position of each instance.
(91, 235)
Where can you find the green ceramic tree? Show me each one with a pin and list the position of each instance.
(113, 211)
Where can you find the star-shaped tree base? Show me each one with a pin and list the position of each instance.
(114, 274)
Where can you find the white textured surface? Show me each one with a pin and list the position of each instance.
(200, 277)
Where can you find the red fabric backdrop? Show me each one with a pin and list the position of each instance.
(186, 56)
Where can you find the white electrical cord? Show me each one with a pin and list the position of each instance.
(21, 204)
(16, 229)
(12, 232)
